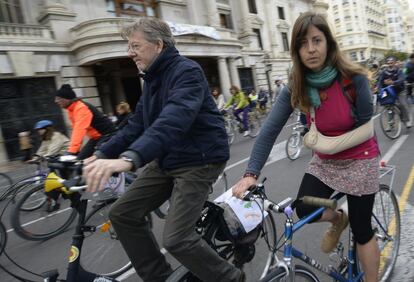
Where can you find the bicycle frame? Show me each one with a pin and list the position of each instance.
(289, 250)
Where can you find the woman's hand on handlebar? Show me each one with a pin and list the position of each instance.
(243, 185)
(97, 172)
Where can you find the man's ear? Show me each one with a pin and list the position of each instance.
(160, 46)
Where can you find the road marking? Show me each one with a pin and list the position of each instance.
(40, 218)
(394, 148)
(402, 202)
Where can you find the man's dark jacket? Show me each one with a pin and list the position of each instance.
(176, 121)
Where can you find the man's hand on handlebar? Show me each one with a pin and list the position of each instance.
(96, 172)
(243, 185)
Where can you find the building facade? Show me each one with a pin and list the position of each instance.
(45, 43)
(360, 28)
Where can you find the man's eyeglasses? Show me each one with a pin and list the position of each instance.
(133, 48)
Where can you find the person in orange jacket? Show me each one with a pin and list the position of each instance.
(87, 121)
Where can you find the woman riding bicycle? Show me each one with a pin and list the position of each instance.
(241, 105)
(394, 76)
(318, 74)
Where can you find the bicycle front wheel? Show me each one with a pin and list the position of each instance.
(302, 274)
(102, 252)
(293, 146)
(390, 122)
(40, 224)
(387, 226)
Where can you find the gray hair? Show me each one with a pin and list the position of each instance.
(154, 30)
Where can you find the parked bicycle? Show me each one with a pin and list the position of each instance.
(390, 116)
(386, 224)
(294, 143)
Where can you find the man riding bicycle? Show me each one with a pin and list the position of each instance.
(178, 132)
(394, 76)
(86, 121)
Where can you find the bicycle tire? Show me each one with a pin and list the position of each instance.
(387, 226)
(293, 146)
(102, 252)
(3, 237)
(302, 274)
(39, 225)
(5, 183)
(219, 187)
(37, 199)
(390, 121)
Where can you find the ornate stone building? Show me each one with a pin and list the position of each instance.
(45, 43)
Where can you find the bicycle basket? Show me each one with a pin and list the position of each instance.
(387, 96)
(231, 229)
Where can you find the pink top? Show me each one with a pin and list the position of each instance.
(334, 117)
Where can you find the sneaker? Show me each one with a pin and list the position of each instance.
(331, 237)
(246, 133)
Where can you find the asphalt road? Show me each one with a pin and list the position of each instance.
(283, 179)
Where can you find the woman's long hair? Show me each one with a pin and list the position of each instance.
(334, 57)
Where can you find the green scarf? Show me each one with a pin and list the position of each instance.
(319, 80)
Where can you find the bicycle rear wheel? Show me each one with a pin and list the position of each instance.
(39, 224)
(302, 274)
(390, 122)
(387, 226)
(293, 146)
(102, 252)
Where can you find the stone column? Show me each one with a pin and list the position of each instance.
(57, 15)
(212, 13)
(224, 77)
(234, 74)
(245, 15)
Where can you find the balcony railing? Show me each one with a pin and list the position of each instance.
(23, 32)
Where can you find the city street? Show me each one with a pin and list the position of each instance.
(283, 179)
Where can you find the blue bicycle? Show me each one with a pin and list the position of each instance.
(385, 222)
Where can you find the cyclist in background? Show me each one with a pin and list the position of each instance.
(393, 75)
(409, 73)
(253, 97)
(123, 111)
(53, 142)
(241, 105)
(87, 121)
(218, 98)
(262, 98)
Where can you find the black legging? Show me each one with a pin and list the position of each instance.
(359, 207)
